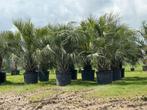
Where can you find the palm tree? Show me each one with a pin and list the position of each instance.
(102, 44)
(113, 43)
(42, 54)
(86, 40)
(29, 40)
(61, 49)
(7, 41)
(109, 45)
(126, 50)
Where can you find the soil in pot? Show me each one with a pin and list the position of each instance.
(2, 77)
(104, 77)
(144, 68)
(43, 76)
(122, 72)
(31, 77)
(116, 74)
(15, 72)
(63, 79)
(88, 75)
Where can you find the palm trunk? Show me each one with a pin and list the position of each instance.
(14, 66)
(120, 65)
(87, 65)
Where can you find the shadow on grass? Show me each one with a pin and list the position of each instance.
(79, 82)
(132, 81)
(125, 81)
(13, 83)
(133, 71)
(53, 83)
(50, 82)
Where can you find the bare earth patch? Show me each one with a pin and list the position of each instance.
(58, 99)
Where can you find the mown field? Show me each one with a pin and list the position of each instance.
(134, 83)
(132, 87)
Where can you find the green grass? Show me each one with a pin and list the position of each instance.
(134, 84)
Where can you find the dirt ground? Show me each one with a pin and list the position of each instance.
(62, 100)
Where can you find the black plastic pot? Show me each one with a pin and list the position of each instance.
(88, 75)
(63, 79)
(122, 73)
(104, 77)
(73, 74)
(31, 77)
(15, 72)
(132, 69)
(2, 77)
(43, 76)
(116, 74)
(144, 68)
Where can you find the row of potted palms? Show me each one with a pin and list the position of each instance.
(103, 42)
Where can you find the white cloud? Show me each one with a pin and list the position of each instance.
(132, 11)
(59, 11)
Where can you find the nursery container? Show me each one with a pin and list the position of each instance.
(63, 79)
(144, 68)
(116, 74)
(2, 77)
(31, 77)
(88, 75)
(122, 72)
(43, 75)
(104, 77)
(73, 74)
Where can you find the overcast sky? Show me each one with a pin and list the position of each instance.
(41, 12)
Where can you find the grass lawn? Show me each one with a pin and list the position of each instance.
(134, 84)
